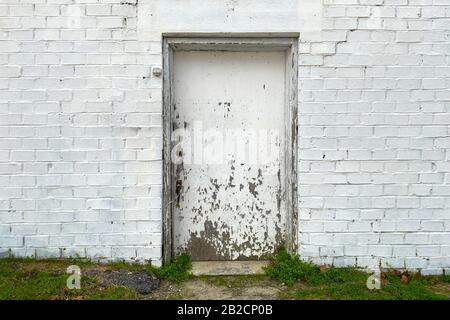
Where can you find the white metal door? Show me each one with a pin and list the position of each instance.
(229, 153)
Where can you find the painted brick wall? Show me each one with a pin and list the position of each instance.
(375, 136)
(80, 125)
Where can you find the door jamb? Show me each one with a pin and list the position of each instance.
(232, 43)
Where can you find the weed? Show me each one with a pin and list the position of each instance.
(176, 271)
(289, 269)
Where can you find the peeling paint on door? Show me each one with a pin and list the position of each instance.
(229, 180)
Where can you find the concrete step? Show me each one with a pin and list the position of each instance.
(228, 267)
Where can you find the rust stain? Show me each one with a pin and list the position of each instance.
(209, 244)
(214, 243)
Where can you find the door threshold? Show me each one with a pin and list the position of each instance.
(215, 268)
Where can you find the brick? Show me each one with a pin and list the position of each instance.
(409, 36)
(110, 22)
(98, 10)
(10, 23)
(11, 241)
(46, 10)
(36, 241)
(47, 59)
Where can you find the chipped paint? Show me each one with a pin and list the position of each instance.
(234, 210)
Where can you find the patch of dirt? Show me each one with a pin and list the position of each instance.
(442, 288)
(141, 281)
(201, 289)
(166, 291)
(258, 293)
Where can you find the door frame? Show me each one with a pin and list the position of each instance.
(232, 42)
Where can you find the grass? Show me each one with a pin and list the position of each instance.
(308, 281)
(46, 279)
(114, 293)
(22, 279)
(31, 279)
(357, 290)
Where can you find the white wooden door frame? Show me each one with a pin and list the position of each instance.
(232, 42)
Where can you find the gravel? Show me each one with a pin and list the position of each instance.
(140, 281)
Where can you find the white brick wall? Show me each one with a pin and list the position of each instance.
(374, 127)
(80, 164)
(80, 125)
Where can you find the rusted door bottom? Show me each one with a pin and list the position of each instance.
(213, 268)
